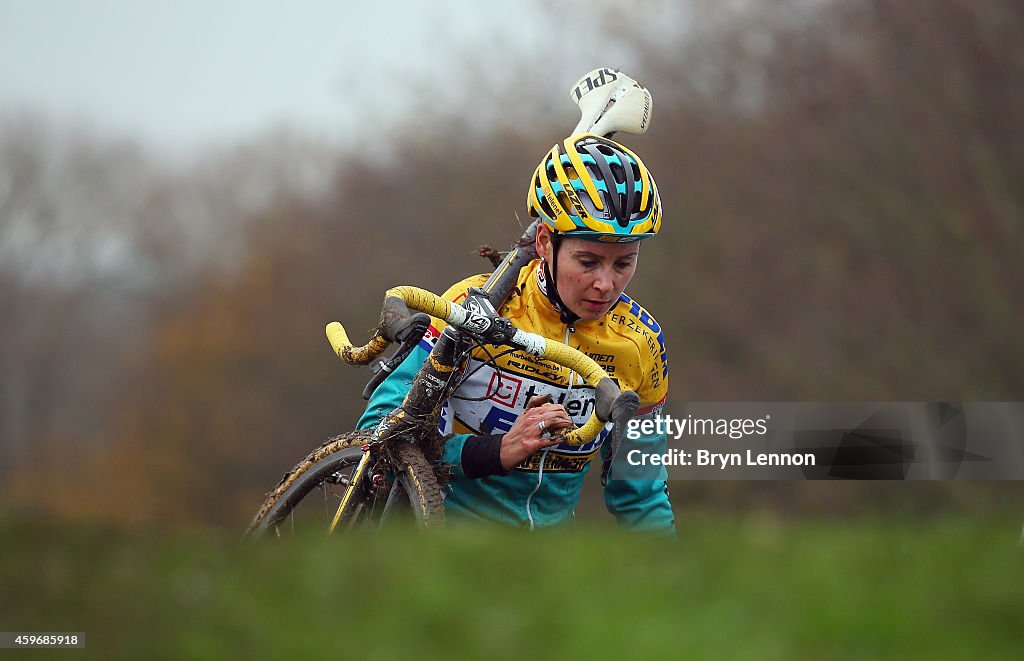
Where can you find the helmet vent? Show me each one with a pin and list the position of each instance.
(618, 173)
(606, 200)
(563, 200)
(545, 207)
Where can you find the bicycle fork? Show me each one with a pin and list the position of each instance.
(353, 483)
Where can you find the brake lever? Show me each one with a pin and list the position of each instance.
(412, 329)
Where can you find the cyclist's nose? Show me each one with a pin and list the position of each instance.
(603, 281)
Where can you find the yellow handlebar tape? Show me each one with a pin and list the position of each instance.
(575, 360)
(338, 338)
(591, 372)
(423, 300)
(586, 433)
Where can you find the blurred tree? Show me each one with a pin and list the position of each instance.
(65, 206)
(99, 246)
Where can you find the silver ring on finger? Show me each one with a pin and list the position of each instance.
(543, 426)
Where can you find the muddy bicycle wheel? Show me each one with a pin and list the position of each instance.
(308, 496)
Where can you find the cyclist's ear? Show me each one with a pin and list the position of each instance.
(544, 243)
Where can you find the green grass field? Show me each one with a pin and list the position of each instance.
(740, 587)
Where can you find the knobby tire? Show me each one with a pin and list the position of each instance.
(413, 474)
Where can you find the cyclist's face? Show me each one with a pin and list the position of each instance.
(591, 275)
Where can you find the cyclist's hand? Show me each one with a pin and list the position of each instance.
(526, 436)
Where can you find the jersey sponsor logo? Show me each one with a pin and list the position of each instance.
(644, 324)
(429, 338)
(506, 398)
(505, 388)
(555, 463)
(576, 406)
(542, 370)
(498, 420)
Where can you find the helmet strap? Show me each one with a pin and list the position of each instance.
(568, 316)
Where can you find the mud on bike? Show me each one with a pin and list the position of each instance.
(394, 471)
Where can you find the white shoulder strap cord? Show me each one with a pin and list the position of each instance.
(544, 453)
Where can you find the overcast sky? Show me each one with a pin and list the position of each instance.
(190, 72)
(194, 73)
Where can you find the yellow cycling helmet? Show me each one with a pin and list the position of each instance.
(594, 188)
